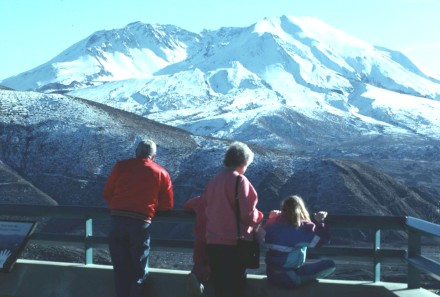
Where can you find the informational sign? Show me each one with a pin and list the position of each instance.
(13, 238)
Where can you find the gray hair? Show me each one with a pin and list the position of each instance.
(146, 149)
(238, 154)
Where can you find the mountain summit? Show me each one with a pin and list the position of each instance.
(310, 51)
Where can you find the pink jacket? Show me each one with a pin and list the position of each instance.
(221, 225)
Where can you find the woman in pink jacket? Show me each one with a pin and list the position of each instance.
(227, 272)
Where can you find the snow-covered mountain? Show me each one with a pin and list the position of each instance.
(282, 82)
(294, 87)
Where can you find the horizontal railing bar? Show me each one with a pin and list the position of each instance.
(423, 227)
(337, 221)
(179, 215)
(386, 254)
(334, 251)
(80, 212)
(53, 211)
(100, 240)
(366, 222)
(426, 265)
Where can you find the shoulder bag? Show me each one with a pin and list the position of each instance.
(248, 250)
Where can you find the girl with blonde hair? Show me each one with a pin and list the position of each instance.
(295, 210)
(289, 232)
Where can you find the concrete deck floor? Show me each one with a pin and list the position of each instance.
(43, 279)
(337, 288)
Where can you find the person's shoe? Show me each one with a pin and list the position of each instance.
(194, 287)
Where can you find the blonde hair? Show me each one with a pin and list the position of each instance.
(295, 210)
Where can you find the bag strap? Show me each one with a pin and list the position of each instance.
(237, 210)
(237, 206)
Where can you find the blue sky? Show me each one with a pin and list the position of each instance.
(35, 31)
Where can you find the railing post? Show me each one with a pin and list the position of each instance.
(376, 263)
(87, 246)
(414, 249)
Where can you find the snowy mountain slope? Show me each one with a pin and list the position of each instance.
(61, 143)
(263, 116)
(66, 147)
(16, 189)
(136, 51)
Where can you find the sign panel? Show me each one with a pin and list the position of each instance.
(13, 238)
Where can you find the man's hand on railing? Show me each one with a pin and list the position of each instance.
(4, 255)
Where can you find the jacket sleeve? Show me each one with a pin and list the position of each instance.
(110, 184)
(320, 231)
(323, 232)
(166, 195)
(248, 199)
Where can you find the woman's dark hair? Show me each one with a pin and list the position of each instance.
(238, 154)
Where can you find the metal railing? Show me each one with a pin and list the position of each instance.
(375, 254)
(418, 263)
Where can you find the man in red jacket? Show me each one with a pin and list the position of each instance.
(135, 189)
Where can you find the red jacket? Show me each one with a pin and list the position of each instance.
(198, 205)
(137, 188)
(201, 263)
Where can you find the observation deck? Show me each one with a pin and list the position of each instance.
(39, 277)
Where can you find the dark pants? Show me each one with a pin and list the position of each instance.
(129, 249)
(227, 274)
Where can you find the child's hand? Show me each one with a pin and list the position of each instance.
(320, 216)
(274, 213)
